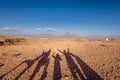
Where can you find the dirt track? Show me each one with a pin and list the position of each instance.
(60, 58)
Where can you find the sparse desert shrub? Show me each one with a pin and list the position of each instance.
(9, 41)
(13, 40)
(1, 43)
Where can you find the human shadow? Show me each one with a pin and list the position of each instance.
(29, 64)
(88, 72)
(44, 61)
(72, 66)
(57, 67)
(43, 76)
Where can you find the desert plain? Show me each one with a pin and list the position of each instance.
(25, 58)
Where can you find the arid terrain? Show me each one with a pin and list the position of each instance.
(24, 58)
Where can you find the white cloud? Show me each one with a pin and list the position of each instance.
(50, 29)
(10, 29)
(46, 29)
(38, 29)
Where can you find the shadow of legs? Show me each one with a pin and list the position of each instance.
(57, 68)
(43, 76)
(72, 65)
(89, 72)
(40, 63)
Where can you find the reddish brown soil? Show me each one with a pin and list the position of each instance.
(60, 59)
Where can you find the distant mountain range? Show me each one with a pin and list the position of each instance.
(70, 35)
(66, 35)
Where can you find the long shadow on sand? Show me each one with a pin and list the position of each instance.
(43, 60)
(72, 66)
(57, 67)
(79, 72)
(89, 73)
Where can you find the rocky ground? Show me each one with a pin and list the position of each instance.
(59, 59)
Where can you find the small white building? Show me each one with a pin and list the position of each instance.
(107, 39)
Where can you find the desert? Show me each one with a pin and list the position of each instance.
(25, 58)
(59, 39)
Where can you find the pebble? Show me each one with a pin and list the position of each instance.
(1, 64)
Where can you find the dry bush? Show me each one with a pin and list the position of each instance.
(10, 40)
(13, 40)
(1, 41)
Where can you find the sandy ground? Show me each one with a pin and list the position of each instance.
(60, 59)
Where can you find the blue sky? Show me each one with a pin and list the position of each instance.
(80, 17)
